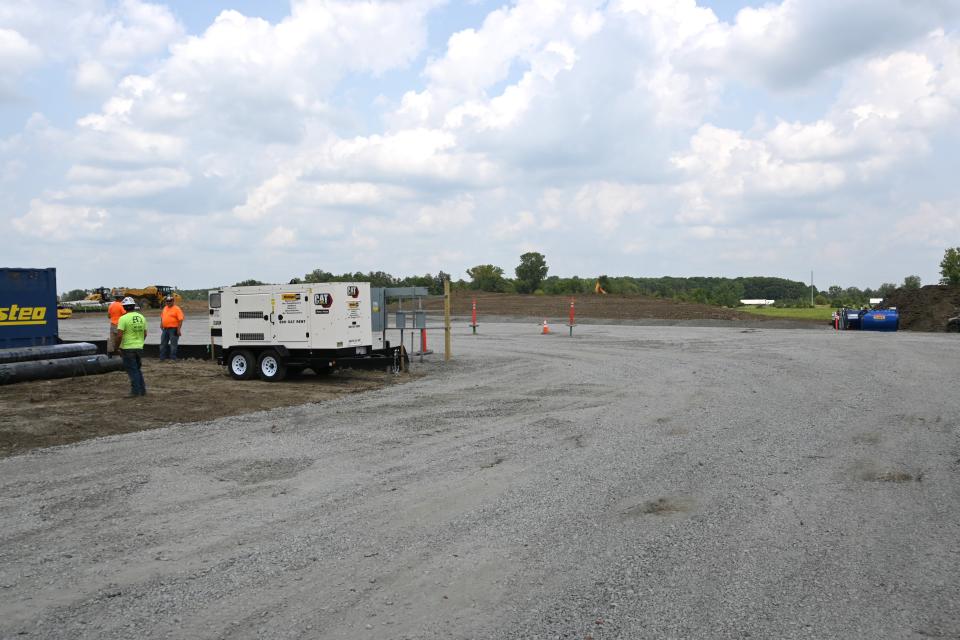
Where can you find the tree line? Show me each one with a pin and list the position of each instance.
(531, 278)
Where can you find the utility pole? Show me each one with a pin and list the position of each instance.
(811, 287)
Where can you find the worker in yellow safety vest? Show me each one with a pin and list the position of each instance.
(132, 333)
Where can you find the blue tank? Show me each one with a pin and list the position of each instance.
(880, 320)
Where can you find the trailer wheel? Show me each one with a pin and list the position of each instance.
(241, 365)
(271, 367)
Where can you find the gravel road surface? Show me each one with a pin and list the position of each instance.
(630, 482)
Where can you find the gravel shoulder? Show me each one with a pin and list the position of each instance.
(629, 482)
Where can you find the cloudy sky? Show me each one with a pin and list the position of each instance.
(200, 143)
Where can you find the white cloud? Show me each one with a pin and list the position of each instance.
(280, 237)
(98, 42)
(790, 43)
(597, 131)
(16, 52)
(93, 184)
(509, 228)
(448, 215)
(17, 55)
(54, 221)
(93, 77)
(931, 224)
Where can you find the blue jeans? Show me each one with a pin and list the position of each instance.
(131, 362)
(168, 343)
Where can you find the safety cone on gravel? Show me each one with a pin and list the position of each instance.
(546, 327)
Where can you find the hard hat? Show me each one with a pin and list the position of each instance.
(168, 299)
(129, 302)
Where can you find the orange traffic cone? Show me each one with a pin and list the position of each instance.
(546, 328)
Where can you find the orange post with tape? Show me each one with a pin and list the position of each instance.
(473, 316)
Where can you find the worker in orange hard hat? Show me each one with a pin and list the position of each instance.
(171, 326)
(114, 311)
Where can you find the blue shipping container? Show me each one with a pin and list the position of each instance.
(28, 307)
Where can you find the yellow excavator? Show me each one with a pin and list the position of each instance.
(100, 294)
(151, 296)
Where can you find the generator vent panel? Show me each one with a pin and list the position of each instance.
(250, 315)
(250, 336)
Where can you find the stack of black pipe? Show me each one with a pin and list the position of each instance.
(54, 361)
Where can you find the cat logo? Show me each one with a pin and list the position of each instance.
(353, 292)
(323, 300)
(15, 315)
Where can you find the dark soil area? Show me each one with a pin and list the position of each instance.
(927, 308)
(44, 413)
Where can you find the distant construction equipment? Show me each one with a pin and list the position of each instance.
(151, 296)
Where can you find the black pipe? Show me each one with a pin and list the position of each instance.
(59, 368)
(49, 352)
(184, 351)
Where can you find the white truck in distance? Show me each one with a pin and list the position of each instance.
(275, 330)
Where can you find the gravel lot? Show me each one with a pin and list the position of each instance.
(630, 482)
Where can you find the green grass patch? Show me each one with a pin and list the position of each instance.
(816, 313)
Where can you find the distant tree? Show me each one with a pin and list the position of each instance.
(821, 300)
(249, 283)
(950, 266)
(835, 292)
(853, 295)
(436, 287)
(378, 279)
(74, 294)
(727, 294)
(317, 275)
(486, 277)
(911, 282)
(886, 289)
(531, 271)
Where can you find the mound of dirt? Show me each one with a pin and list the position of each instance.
(927, 308)
(588, 306)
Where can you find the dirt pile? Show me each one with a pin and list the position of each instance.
(588, 306)
(927, 308)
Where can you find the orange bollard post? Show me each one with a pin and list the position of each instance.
(423, 341)
(473, 317)
(572, 315)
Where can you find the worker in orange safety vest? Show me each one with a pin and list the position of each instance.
(171, 326)
(115, 311)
